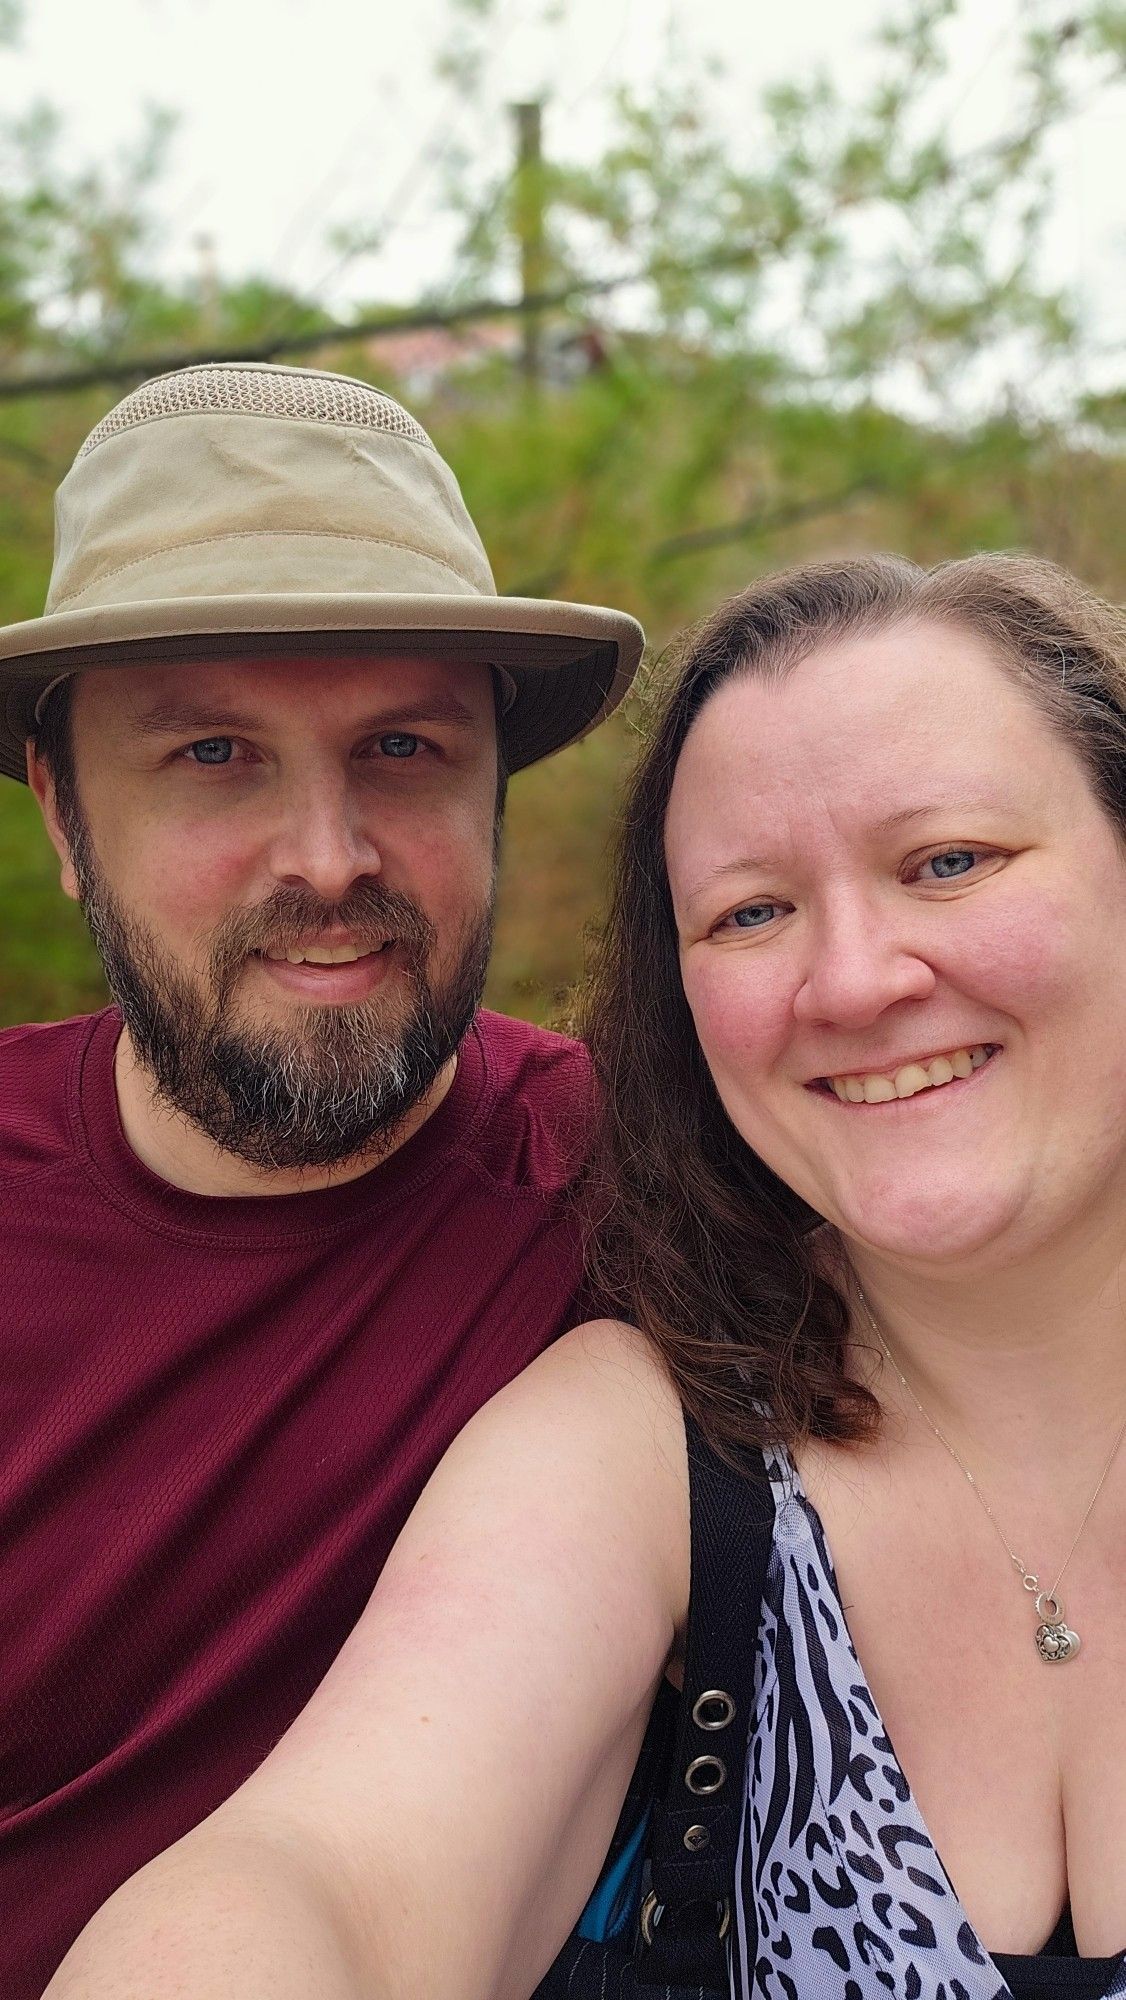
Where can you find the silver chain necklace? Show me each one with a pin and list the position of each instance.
(1055, 1639)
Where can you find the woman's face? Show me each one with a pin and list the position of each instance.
(902, 924)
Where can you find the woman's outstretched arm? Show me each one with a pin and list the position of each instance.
(435, 1819)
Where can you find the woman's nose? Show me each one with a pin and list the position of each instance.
(857, 968)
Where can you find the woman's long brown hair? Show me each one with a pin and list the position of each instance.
(692, 1237)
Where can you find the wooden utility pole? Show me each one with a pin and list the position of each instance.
(528, 218)
(208, 285)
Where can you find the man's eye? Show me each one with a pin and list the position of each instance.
(956, 861)
(212, 750)
(399, 744)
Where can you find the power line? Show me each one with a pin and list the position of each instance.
(134, 368)
(412, 320)
(762, 523)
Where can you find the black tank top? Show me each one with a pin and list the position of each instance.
(1057, 1972)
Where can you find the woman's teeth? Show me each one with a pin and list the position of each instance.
(321, 954)
(881, 1088)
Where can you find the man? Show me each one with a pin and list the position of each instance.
(275, 1224)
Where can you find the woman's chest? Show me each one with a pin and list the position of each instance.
(1013, 1769)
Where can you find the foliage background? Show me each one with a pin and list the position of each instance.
(840, 340)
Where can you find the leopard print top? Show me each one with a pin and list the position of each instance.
(850, 1898)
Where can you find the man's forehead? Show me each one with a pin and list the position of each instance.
(260, 687)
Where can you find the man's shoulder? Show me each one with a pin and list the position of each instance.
(36, 1062)
(526, 1051)
(540, 1097)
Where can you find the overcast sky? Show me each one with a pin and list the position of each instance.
(295, 115)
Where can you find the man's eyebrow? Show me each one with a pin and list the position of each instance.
(184, 719)
(181, 718)
(434, 708)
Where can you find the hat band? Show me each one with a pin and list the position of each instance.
(287, 561)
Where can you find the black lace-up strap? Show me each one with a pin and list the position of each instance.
(695, 1828)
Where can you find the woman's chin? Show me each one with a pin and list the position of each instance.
(935, 1225)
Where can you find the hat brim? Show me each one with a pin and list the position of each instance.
(571, 664)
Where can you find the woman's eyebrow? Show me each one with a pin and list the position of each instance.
(744, 864)
(759, 864)
(961, 802)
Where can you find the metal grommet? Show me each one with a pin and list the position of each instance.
(652, 1911)
(706, 1775)
(696, 1838)
(713, 1710)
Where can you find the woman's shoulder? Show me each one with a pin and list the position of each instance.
(601, 1345)
(610, 1374)
(602, 1381)
(591, 1433)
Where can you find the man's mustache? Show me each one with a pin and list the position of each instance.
(292, 916)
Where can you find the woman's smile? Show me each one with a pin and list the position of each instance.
(892, 1082)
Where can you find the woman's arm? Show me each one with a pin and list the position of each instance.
(433, 1822)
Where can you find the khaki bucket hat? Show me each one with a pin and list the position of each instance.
(234, 509)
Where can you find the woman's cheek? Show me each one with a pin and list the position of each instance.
(741, 1011)
(1024, 952)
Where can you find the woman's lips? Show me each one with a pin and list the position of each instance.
(925, 1073)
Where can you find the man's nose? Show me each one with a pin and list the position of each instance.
(321, 839)
(862, 960)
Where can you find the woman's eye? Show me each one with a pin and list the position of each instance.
(753, 916)
(399, 744)
(954, 862)
(212, 750)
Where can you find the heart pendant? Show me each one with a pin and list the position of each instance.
(1056, 1642)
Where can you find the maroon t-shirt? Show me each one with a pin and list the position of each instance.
(215, 1414)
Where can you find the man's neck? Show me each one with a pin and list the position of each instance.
(171, 1147)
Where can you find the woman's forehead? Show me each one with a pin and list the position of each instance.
(877, 724)
(867, 675)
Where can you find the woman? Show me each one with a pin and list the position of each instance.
(860, 1016)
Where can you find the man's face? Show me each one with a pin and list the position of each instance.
(288, 869)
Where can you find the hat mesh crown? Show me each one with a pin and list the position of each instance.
(258, 392)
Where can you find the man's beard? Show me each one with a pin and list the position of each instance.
(339, 1082)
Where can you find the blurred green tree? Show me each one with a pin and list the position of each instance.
(839, 235)
(827, 347)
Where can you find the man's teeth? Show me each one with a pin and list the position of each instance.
(881, 1088)
(320, 954)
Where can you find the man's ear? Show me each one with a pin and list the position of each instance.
(42, 784)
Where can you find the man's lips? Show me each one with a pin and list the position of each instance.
(335, 981)
(323, 953)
